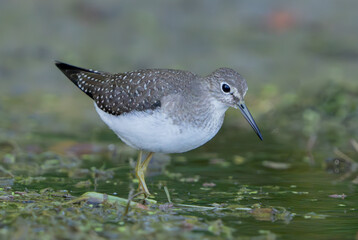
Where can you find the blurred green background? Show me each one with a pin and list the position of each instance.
(289, 51)
(300, 59)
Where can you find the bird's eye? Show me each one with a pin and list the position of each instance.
(225, 87)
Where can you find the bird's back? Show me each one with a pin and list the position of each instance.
(120, 93)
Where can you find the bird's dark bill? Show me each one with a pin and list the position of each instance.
(245, 111)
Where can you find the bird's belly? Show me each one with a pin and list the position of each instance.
(154, 131)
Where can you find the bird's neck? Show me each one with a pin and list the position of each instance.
(209, 113)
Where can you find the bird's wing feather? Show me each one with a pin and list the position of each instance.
(120, 93)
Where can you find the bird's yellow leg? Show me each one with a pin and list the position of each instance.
(146, 161)
(140, 170)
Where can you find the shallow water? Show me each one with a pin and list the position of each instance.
(254, 196)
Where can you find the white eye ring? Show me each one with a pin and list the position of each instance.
(225, 88)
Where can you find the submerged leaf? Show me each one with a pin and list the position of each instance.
(276, 165)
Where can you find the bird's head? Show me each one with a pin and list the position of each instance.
(228, 89)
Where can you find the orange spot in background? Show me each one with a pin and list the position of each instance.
(281, 20)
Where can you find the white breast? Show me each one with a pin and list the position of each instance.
(154, 131)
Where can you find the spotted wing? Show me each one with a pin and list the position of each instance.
(124, 92)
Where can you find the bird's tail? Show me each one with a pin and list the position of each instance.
(87, 80)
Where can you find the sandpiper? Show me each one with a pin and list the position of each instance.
(162, 110)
